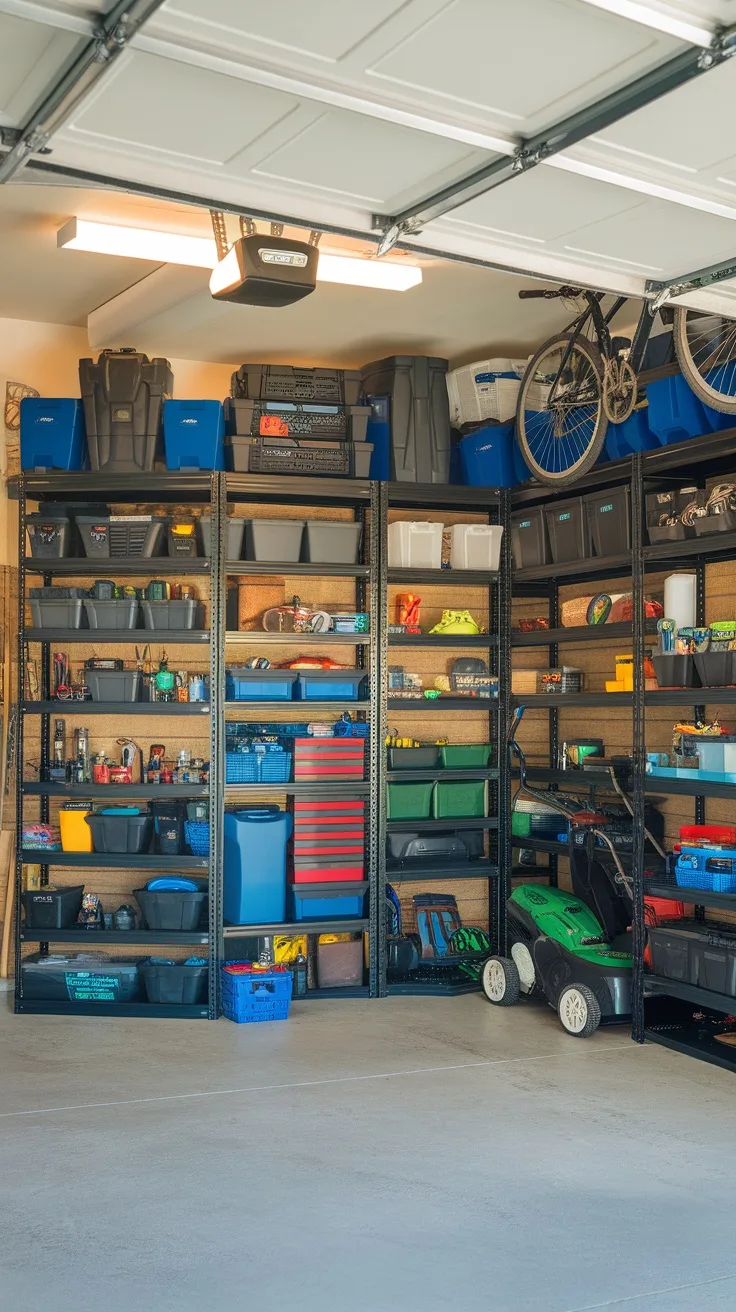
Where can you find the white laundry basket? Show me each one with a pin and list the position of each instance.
(487, 389)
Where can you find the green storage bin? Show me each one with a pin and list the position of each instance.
(409, 801)
(460, 800)
(466, 756)
(521, 824)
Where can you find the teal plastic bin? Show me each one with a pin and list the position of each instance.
(254, 866)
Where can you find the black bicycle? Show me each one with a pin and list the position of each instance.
(584, 378)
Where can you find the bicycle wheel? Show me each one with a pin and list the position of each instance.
(562, 439)
(706, 350)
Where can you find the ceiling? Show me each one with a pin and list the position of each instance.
(331, 112)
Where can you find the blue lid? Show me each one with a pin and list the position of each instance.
(172, 884)
(121, 810)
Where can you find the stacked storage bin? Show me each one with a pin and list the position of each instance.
(329, 859)
(329, 758)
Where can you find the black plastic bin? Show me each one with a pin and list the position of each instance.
(413, 758)
(316, 420)
(529, 539)
(569, 530)
(172, 984)
(299, 456)
(716, 669)
(168, 823)
(173, 614)
(113, 685)
(171, 911)
(118, 832)
(48, 534)
(52, 908)
(674, 671)
(80, 977)
(609, 520)
(121, 613)
(104, 536)
(123, 394)
(693, 954)
(288, 382)
(420, 414)
(706, 525)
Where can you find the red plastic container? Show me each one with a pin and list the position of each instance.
(329, 758)
(725, 834)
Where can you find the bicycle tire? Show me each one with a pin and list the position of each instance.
(568, 476)
(710, 396)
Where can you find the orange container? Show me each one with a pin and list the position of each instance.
(76, 835)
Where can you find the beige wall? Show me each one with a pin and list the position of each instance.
(45, 356)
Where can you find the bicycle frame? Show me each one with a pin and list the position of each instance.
(601, 322)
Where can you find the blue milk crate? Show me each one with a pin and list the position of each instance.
(52, 433)
(194, 434)
(257, 767)
(197, 834)
(487, 457)
(711, 869)
(249, 998)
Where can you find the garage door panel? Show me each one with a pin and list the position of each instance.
(543, 205)
(667, 239)
(31, 55)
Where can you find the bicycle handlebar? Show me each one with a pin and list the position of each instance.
(549, 295)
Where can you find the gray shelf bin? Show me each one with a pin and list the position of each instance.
(120, 833)
(173, 614)
(122, 535)
(317, 420)
(274, 539)
(303, 458)
(332, 542)
(420, 415)
(56, 614)
(48, 535)
(117, 614)
(234, 542)
(123, 394)
(113, 685)
(288, 382)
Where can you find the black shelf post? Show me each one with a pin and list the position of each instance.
(378, 542)
(638, 750)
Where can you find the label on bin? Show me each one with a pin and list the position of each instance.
(273, 426)
(84, 986)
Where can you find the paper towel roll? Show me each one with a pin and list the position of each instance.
(679, 599)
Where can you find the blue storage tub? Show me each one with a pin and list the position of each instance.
(487, 457)
(328, 901)
(247, 998)
(675, 413)
(379, 433)
(260, 685)
(632, 435)
(52, 433)
(194, 434)
(330, 685)
(254, 865)
(692, 869)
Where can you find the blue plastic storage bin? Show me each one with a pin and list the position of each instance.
(260, 685)
(675, 413)
(194, 434)
(487, 457)
(330, 685)
(328, 901)
(197, 834)
(379, 433)
(257, 767)
(248, 998)
(254, 866)
(632, 435)
(52, 433)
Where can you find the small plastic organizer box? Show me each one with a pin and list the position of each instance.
(711, 870)
(251, 996)
(197, 833)
(257, 767)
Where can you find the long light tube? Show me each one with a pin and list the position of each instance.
(201, 253)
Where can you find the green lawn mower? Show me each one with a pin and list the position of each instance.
(570, 948)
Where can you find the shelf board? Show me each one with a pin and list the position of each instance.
(430, 988)
(92, 637)
(403, 872)
(692, 1045)
(295, 927)
(347, 788)
(576, 571)
(542, 774)
(311, 568)
(562, 849)
(442, 578)
(695, 896)
(688, 788)
(352, 991)
(293, 489)
(65, 708)
(454, 822)
(406, 776)
(583, 633)
(544, 700)
(414, 704)
(445, 496)
(117, 791)
(484, 641)
(691, 697)
(250, 708)
(160, 936)
(152, 1010)
(104, 486)
(153, 566)
(259, 638)
(673, 988)
(715, 545)
(112, 860)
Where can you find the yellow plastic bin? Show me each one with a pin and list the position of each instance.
(76, 835)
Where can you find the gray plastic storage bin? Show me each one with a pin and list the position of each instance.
(122, 535)
(113, 685)
(331, 542)
(234, 540)
(529, 539)
(84, 977)
(301, 457)
(420, 415)
(52, 614)
(119, 832)
(48, 534)
(274, 539)
(569, 530)
(316, 420)
(118, 614)
(413, 758)
(123, 394)
(288, 382)
(173, 614)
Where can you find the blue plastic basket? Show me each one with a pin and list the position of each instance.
(194, 434)
(487, 457)
(248, 999)
(257, 767)
(197, 833)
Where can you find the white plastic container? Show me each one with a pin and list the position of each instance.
(475, 546)
(487, 389)
(415, 544)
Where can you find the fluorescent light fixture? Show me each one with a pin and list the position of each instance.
(201, 253)
(662, 18)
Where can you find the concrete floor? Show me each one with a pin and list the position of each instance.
(397, 1156)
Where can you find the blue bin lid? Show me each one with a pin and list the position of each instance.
(172, 884)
